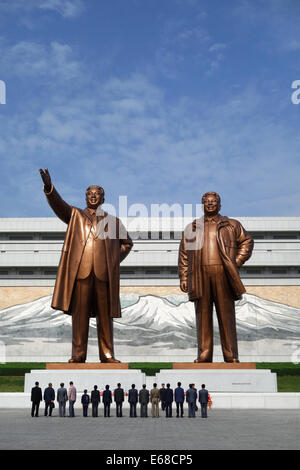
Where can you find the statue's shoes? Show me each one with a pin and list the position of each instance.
(76, 360)
(198, 361)
(111, 360)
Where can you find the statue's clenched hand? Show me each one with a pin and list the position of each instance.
(46, 178)
(183, 286)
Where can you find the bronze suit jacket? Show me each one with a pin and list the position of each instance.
(79, 226)
(235, 247)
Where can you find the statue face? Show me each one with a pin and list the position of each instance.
(211, 205)
(94, 197)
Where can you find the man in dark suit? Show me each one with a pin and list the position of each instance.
(49, 397)
(107, 401)
(133, 399)
(169, 401)
(191, 398)
(62, 398)
(144, 397)
(203, 400)
(95, 399)
(162, 396)
(119, 398)
(179, 399)
(36, 398)
(85, 401)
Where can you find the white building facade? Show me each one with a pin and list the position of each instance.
(268, 318)
(31, 247)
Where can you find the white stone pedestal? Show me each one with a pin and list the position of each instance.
(221, 380)
(85, 379)
(217, 380)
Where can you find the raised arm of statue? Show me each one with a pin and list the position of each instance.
(61, 208)
(183, 265)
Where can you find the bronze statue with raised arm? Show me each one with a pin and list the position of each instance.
(210, 255)
(88, 278)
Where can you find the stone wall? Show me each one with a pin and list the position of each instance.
(15, 295)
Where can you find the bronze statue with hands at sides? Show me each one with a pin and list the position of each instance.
(209, 273)
(88, 278)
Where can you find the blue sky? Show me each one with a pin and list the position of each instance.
(159, 100)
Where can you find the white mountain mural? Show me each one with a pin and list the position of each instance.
(150, 323)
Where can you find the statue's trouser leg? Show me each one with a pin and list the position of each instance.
(104, 320)
(80, 309)
(204, 320)
(224, 302)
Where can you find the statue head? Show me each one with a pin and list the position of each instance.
(212, 203)
(94, 196)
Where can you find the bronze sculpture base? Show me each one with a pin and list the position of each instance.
(125, 365)
(214, 365)
(82, 361)
(87, 365)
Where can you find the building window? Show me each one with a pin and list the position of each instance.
(257, 236)
(53, 236)
(26, 272)
(20, 237)
(50, 272)
(253, 271)
(285, 237)
(279, 271)
(155, 235)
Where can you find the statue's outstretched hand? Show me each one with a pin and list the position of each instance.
(46, 178)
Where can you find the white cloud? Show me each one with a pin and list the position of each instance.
(155, 147)
(26, 59)
(184, 41)
(278, 19)
(66, 8)
(217, 47)
(292, 45)
(125, 134)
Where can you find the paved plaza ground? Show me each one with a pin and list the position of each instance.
(224, 429)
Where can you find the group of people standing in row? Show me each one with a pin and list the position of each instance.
(164, 396)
